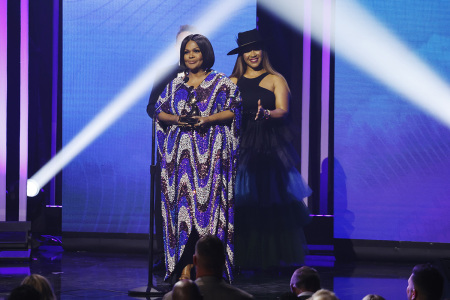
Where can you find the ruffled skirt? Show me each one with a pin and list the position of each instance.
(269, 208)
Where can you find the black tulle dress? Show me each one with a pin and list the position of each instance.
(270, 213)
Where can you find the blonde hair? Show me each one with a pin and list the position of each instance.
(324, 295)
(42, 285)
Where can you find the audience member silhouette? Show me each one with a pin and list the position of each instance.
(42, 285)
(186, 290)
(425, 283)
(373, 297)
(305, 281)
(324, 295)
(24, 292)
(209, 261)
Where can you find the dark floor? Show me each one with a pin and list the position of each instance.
(83, 275)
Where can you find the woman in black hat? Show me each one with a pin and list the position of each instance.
(269, 190)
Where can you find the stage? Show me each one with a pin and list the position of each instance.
(368, 105)
(95, 275)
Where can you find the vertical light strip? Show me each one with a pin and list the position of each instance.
(306, 88)
(55, 54)
(23, 147)
(325, 118)
(3, 105)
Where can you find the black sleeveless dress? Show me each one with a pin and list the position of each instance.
(269, 207)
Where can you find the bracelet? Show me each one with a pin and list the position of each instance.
(266, 114)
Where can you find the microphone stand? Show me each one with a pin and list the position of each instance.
(150, 289)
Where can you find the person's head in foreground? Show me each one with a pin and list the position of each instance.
(425, 283)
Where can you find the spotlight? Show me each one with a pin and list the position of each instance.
(32, 188)
(366, 43)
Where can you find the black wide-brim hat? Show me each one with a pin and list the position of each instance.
(245, 39)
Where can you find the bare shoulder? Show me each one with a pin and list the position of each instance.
(234, 80)
(273, 81)
(277, 80)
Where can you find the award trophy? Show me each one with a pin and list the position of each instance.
(195, 111)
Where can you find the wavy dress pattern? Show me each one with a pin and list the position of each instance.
(198, 168)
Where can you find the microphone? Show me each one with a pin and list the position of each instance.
(185, 79)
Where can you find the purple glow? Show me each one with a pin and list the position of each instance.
(60, 206)
(54, 91)
(16, 270)
(321, 257)
(319, 260)
(15, 254)
(328, 216)
(23, 147)
(326, 38)
(321, 247)
(306, 88)
(325, 118)
(3, 106)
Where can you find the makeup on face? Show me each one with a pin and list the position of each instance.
(193, 58)
(253, 58)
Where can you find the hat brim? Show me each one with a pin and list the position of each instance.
(238, 49)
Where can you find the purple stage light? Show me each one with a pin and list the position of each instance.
(23, 147)
(321, 247)
(55, 67)
(24, 271)
(307, 11)
(328, 216)
(326, 40)
(3, 106)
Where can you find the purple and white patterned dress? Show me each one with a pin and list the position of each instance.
(198, 167)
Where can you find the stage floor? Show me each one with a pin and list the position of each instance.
(86, 275)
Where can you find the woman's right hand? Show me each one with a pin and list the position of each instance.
(179, 123)
(169, 119)
(260, 111)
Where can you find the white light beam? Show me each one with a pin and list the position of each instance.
(366, 43)
(213, 17)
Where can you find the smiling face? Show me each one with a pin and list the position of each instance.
(193, 57)
(253, 58)
(253, 55)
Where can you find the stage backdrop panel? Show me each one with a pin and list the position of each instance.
(392, 164)
(105, 45)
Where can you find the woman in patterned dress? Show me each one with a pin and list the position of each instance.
(198, 140)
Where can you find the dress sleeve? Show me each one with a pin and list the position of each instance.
(234, 102)
(163, 99)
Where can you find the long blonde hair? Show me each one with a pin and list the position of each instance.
(42, 285)
(240, 67)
